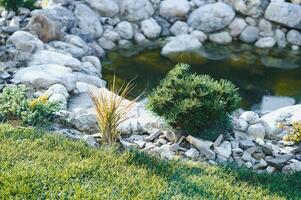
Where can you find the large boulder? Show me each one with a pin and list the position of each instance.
(44, 28)
(25, 41)
(211, 17)
(271, 120)
(88, 20)
(181, 44)
(136, 10)
(151, 28)
(44, 76)
(284, 13)
(63, 17)
(174, 9)
(253, 8)
(75, 51)
(106, 8)
(51, 57)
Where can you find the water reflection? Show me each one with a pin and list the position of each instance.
(256, 72)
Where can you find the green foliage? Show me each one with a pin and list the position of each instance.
(193, 103)
(15, 4)
(295, 135)
(47, 166)
(13, 101)
(15, 105)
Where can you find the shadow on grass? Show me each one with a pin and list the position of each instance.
(182, 178)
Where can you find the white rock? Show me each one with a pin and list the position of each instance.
(106, 8)
(211, 17)
(25, 41)
(44, 76)
(151, 28)
(60, 99)
(249, 34)
(180, 44)
(221, 38)
(201, 36)
(75, 51)
(237, 26)
(45, 57)
(94, 61)
(192, 153)
(172, 8)
(179, 28)
(250, 117)
(256, 131)
(280, 38)
(294, 37)
(125, 30)
(266, 42)
(224, 149)
(135, 10)
(57, 89)
(88, 20)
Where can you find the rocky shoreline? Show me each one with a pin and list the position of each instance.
(56, 51)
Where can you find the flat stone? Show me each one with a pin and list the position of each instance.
(246, 144)
(218, 140)
(199, 143)
(192, 153)
(224, 149)
(280, 161)
(153, 135)
(272, 103)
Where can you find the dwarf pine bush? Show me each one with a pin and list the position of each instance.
(16, 4)
(193, 103)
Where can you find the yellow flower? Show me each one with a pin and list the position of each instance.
(43, 99)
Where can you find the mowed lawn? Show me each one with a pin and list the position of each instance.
(35, 165)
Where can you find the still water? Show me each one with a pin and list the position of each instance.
(258, 73)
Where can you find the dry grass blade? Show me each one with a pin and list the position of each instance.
(112, 109)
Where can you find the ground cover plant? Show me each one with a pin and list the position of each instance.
(35, 165)
(15, 104)
(194, 103)
(16, 4)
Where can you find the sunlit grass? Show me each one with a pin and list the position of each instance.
(35, 165)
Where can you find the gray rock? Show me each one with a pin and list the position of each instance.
(180, 44)
(261, 165)
(294, 37)
(60, 15)
(280, 38)
(280, 161)
(201, 36)
(44, 76)
(90, 79)
(111, 35)
(250, 34)
(52, 57)
(239, 135)
(156, 133)
(25, 41)
(199, 143)
(106, 8)
(125, 30)
(265, 28)
(250, 117)
(57, 89)
(174, 9)
(106, 44)
(256, 131)
(211, 17)
(94, 61)
(266, 42)
(221, 38)
(284, 13)
(135, 10)
(224, 149)
(237, 26)
(70, 48)
(270, 169)
(60, 99)
(240, 124)
(151, 28)
(125, 44)
(46, 29)
(244, 144)
(248, 158)
(248, 7)
(192, 153)
(77, 41)
(88, 21)
(218, 140)
(272, 103)
(179, 28)
(293, 167)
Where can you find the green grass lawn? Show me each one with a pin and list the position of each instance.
(34, 165)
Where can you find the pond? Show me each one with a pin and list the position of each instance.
(261, 75)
